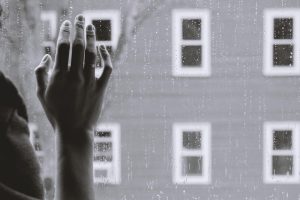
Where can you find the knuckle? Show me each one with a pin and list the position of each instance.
(63, 44)
(90, 57)
(78, 78)
(63, 47)
(78, 43)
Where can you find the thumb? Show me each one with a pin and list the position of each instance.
(41, 73)
(104, 55)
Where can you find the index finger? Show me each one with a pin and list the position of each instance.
(63, 47)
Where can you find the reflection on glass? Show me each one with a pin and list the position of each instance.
(102, 133)
(191, 165)
(100, 173)
(282, 165)
(102, 157)
(102, 146)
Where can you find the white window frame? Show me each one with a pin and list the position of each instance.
(269, 128)
(269, 41)
(177, 16)
(114, 17)
(179, 152)
(50, 16)
(113, 168)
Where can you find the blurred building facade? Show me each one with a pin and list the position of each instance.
(203, 101)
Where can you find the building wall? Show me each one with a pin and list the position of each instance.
(145, 99)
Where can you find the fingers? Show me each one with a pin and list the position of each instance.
(63, 47)
(90, 54)
(99, 60)
(41, 72)
(103, 80)
(78, 47)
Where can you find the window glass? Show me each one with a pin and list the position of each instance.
(48, 50)
(191, 29)
(102, 133)
(100, 173)
(191, 56)
(191, 42)
(281, 42)
(191, 139)
(282, 140)
(283, 55)
(281, 152)
(103, 29)
(282, 165)
(103, 146)
(192, 156)
(107, 153)
(191, 165)
(283, 28)
(103, 157)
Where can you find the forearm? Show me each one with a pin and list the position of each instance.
(74, 165)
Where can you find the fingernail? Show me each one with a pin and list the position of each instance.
(90, 27)
(67, 23)
(79, 21)
(66, 26)
(45, 58)
(80, 18)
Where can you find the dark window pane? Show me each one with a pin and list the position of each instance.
(103, 158)
(191, 165)
(282, 139)
(100, 173)
(103, 29)
(102, 133)
(37, 146)
(282, 165)
(283, 55)
(191, 29)
(191, 139)
(103, 146)
(48, 50)
(283, 28)
(191, 56)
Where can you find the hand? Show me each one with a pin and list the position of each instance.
(72, 98)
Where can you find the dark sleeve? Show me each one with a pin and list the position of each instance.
(19, 168)
(11, 194)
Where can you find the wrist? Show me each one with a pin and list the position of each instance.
(74, 136)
